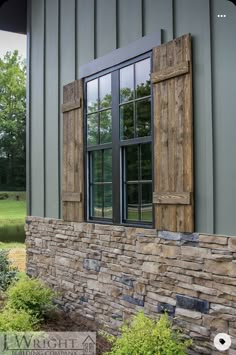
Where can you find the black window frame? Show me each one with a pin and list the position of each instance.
(117, 147)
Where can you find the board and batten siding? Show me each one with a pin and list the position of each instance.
(65, 34)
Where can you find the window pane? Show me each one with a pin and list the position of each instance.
(108, 201)
(105, 91)
(96, 173)
(127, 121)
(96, 201)
(127, 83)
(105, 127)
(132, 202)
(107, 165)
(143, 112)
(142, 72)
(92, 96)
(131, 163)
(146, 208)
(146, 161)
(92, 127)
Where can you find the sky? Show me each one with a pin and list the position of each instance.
(10, 41)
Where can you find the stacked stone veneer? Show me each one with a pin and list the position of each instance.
(107, 273)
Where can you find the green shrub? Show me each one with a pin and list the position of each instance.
(7, 273)
(145, 336)
(32, 296)
(17, 320)
(3, 196)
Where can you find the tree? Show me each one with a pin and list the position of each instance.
(12, 120)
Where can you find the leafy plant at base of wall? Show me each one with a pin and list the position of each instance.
(149, 337)
(12, 319)
(8, 274)
(32, 296)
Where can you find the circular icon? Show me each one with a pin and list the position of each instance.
(222, 341)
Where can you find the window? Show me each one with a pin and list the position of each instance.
(118, 165)
(119, 144)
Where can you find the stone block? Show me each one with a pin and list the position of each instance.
(213, 239)
(93, 285)
(170, 251)
(220, 268)
(148, 248)
(125, 280)
(160, 298)
(133, 300)
(188, 314)
(91, 264)
(232, 244)
(140, 288)
(152, 267)
(192, 303)
(166, 308)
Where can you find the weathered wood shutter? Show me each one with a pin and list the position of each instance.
(173, 136)
(73, 152)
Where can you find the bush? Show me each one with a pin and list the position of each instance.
(7, 273)
(32, 296)
(17, 320)
(145, 336)
(3, 196)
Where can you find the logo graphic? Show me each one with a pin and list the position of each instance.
(222, 341)
(89, 346)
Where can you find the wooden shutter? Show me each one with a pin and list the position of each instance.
(173, 136)
(73, 152)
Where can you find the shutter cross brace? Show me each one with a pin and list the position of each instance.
(170, 72)
(70, 106)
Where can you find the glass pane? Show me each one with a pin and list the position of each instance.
(143, 112)
(108, 201)
(105, 127)
(127, 121)
(107, 165)
(131, 163)
(146, 208)
(105, 91)
(127, 83)
(132, 202)
(92, 128)
(146, 161)
(96, 173)
(96, 200)
(92, 96)
(142, 72)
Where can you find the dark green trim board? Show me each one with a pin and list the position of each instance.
(120, 55)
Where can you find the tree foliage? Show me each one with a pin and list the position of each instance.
(12, 120)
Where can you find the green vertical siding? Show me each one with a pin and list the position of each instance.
(197, 23)
(106, 39)
(224, 83)
(159, 15)
(69, 33)
(129, 21)
(51, 109)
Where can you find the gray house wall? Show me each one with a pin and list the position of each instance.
(65, 34)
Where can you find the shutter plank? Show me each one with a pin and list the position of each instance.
(173, 143)
(73, 162)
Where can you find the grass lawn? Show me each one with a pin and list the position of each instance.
(12, 219)
(12, 212)
(11, 245)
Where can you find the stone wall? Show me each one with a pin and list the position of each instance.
(107, 273)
